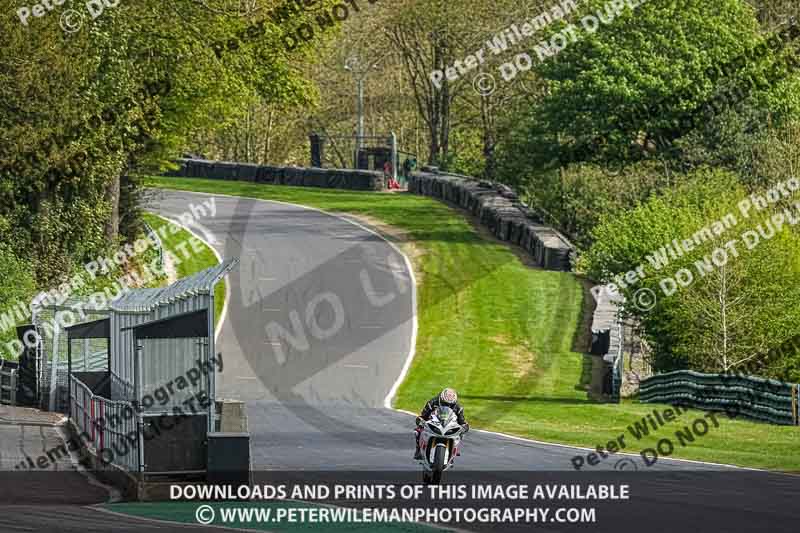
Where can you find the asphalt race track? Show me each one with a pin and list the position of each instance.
(340, 297)
(318, 328)
(319, 405)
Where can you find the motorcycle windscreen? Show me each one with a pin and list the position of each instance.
(445, 415)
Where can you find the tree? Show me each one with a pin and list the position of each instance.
(432, 36)
(600, 87)
(722, 303)
(83, 112)
(16, 286)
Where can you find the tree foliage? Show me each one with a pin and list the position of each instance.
(659, 53)
(83, 112)
(738, 301)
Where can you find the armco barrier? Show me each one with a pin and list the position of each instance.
(499, 209)
(356, 180)
(8, 383)
(750, 397)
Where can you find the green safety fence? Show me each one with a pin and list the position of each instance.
(750, 397)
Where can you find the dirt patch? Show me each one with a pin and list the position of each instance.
(400, 237)
(522, 360)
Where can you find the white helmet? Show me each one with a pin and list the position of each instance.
(448, 396)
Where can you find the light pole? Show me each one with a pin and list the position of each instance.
(360, 129)
(352, 65)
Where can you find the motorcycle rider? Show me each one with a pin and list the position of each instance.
(447, 398)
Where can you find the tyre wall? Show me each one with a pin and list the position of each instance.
(499, 209)
(357, 180)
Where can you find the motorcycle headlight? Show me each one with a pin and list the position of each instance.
(452, 431)
(433, 428)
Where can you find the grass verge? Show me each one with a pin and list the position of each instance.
(503, 333)
(187, 264)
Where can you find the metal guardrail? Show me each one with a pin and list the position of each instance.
(750, 397)
(107, 424)
(615, 351)
(8, 385)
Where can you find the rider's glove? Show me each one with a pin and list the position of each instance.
(466, 427)
(419, 420)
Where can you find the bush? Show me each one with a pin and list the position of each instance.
(732, 315)
(577, 197)
(16, 285)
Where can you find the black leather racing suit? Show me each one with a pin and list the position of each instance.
(432, 404)
(435, 402)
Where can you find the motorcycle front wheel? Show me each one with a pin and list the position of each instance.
(438, 466)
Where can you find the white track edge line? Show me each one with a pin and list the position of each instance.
(223, 315)
(412, 352)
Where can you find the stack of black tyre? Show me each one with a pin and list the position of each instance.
(357, 180)
(499, 209)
